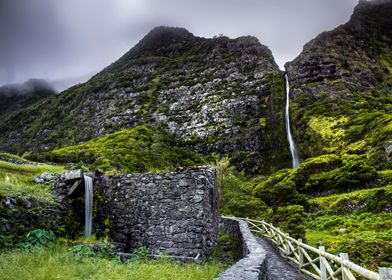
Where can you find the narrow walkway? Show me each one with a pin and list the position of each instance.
(278, 268)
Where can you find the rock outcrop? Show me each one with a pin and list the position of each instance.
(346, 59)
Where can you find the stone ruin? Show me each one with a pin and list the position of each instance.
(175, 213)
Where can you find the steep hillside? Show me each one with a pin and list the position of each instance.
(219, 95)
(341, 87)
(19, 96)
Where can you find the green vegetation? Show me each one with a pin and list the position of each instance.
(330, 130)
(236, 193)
(56, 262)
(291, 219)
(22, 185)
(25, 205)
(358, 125)
(372, 200)
(358, 223)
(340, 196)
(37, 238)
(137, 149)
(352, 216)
(27, 168)
(228, 250)
(366, 237)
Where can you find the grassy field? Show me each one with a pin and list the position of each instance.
(56, 262)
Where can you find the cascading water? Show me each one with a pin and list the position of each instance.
(293, 149)
(88, 188)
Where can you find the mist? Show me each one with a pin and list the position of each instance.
(67, 41)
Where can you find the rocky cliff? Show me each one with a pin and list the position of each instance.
(341, 86)
(219, 95)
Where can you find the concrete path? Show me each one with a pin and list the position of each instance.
(277, 266)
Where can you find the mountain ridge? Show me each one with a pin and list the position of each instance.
(219, 95)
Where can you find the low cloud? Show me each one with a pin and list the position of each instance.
(68, 40)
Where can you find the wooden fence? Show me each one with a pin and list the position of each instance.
(316, 263)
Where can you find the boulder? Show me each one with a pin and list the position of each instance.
(73, 175)
(46, 178)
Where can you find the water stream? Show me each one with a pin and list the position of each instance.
(88, 187)
(293, 149)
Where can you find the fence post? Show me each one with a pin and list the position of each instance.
(385, 273)
(277, 236)
(287, 246)
(323, 269)
(300, 255)
(344, 257)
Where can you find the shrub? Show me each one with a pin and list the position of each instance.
(101, 250)
(354, 173)
(291, 219)
(38, 238)
(279, 189)
(236, 192)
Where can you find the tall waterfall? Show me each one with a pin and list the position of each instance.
(88, 188)
(293, 149)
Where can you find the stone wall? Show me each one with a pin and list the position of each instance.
(174, 212)
(253, 265)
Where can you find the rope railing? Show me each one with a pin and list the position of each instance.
(316, 263)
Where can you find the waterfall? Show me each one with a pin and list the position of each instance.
(88, 188)
(293, 149)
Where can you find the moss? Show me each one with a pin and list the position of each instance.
(365, 120)
(21, 215)
(263, 122)
(331, 131)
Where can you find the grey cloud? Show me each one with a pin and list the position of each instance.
(69, 40)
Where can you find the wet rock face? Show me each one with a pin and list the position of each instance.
(174, 213)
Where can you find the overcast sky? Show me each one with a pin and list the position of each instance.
(69, 40)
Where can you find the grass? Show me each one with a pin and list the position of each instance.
(56, 262)
(22, 185)
(29, 168)
(18, 178)
(7, 156)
